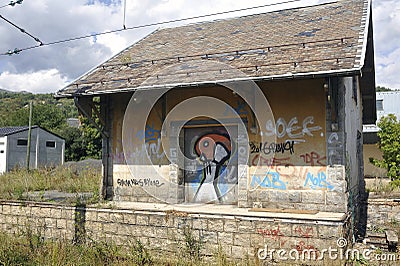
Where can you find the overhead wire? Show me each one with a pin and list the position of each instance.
(12, 3)
(16, 50)
(257, 68)
(123, 24)
(22, 30)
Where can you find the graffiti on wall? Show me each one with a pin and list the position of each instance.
(318, 181)
(150, 145)
(288, 176)
(213, 150)
(268, 148)
(150, 133)
(335, 148)
(239, 108)
(142, 182)
(274, 234)
(269, 180)
(293, 130)
(313, 159)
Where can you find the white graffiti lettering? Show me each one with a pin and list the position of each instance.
(292, 129)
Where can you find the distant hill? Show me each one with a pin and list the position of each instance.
(13, 107)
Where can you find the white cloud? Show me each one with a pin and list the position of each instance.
(113, 41)
(42, 81)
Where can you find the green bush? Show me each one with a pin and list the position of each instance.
(389, 144)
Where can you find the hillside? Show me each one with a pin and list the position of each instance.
(51, 114)
(14, 109)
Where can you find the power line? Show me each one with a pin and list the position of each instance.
(12, 3)
(16, 50)
(22, 30)
(123, 24)
(259, 67)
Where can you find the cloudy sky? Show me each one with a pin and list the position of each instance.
(49, 68)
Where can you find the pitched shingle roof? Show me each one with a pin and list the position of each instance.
(327, 38)
(5, 131)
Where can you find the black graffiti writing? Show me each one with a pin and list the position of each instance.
(267, 148)
(143, 182)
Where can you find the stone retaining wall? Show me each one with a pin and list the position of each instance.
(381, 211)
(165, 231)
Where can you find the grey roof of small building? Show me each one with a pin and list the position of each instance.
(329, 38)
(5, 131)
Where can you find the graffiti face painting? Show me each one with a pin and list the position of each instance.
(213, 151)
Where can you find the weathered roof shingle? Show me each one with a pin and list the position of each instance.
(327, 38)
(5, 131)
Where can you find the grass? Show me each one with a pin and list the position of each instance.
(17, 183)
(28, 248)
(33, 250)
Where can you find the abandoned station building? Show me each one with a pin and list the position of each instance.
(261, 112)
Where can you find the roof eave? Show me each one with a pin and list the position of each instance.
(316, 74)
(366, 18)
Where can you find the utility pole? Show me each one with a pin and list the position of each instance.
(28, 149)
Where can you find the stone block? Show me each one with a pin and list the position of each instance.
(161, 232)
(34, 210)
(278, 196)
(242, 195)
(225, 238)
(263, 195)
(159, 220)
(145, 231)
(230, 225)
(61, 224)
(327, 231)
(142, 219)
(215, 225)
(242, 240)
(244, 204)
(116, 217)
(130, 218)
(313, 196)
(16, 210)
(103, 216)
(124, 229)
(257, 240)
(56, 213)
(199, 223)
(6, 209)
(67, 214)
(91, 216)
(294, 196)
(45, 212)
(252, 195)
(110, 228)
(336, 198)
(206, 236)
(239, 252)
(246, 226)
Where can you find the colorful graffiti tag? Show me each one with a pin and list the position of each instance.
(213, 151)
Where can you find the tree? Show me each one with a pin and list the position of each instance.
(381, 88)
(74, 145)
(51, 114)
(389, 144)
(91, 138)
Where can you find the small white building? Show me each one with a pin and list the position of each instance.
(46, 149)
(387, 102)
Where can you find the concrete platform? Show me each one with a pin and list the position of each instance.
(229, 210)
